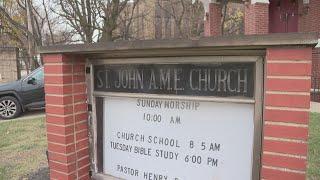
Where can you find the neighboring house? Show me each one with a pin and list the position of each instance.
(275, 16)
(9, 69)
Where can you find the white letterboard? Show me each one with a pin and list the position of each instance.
(177, 139)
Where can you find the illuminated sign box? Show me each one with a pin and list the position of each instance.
(204, 141)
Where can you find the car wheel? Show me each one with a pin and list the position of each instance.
(9, 107)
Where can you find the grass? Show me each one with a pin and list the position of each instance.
(314, 147)
(22, 147)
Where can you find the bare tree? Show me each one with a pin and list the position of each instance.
(94, 20)
(48, 20)
(112, 10)
(26, 29)
(197, 18)
(82, 16)
(224, 6)
(234, 19)
(176, 10)
(187, 16)
(25, 24)
(127, 17)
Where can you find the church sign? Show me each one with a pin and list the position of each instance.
(175, 120)
(183, 109)
(220, 79)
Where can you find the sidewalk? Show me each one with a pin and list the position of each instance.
(315, 107)
(28, 115)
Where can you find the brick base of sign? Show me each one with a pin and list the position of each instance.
(66, 117)
(286, 114)
(256, 18)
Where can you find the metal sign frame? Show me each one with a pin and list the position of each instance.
(257, 100)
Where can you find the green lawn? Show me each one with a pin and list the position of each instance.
(314, 147)
(22, 147)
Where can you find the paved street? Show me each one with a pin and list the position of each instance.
(315, 107)
(29, 115)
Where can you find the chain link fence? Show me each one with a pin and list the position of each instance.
(26, 63)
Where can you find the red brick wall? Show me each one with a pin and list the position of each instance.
(309, 21)
(66, 117)
(286, 114)
(256, 18)
(212, 25)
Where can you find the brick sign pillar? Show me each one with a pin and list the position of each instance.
(212, 25)
(66, 116)
(256, 17)
(286, 113)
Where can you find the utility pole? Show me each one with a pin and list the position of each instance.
(1, 4)
(29, 39)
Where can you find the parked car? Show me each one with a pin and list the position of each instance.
(22, 95)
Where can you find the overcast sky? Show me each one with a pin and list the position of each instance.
(205, 2)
